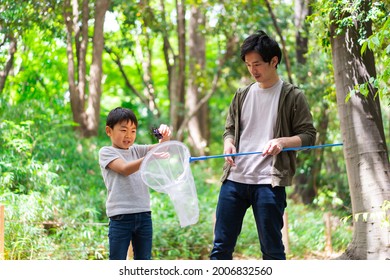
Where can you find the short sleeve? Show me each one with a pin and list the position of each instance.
(107, 155)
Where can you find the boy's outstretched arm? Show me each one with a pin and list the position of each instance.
(125, 168)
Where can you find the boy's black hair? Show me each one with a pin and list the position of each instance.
(119, 115)
(264, 45)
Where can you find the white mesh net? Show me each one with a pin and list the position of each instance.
(166, 169)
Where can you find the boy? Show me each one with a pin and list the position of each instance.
(128, 199)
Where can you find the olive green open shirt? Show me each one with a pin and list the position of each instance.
(294, 119)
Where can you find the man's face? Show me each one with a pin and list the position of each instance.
(122, 135)
(261, 71)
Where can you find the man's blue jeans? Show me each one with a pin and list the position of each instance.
(268, 204)
(136, 228)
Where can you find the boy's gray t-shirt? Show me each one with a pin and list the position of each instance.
(125, 194)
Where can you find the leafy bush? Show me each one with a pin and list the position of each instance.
(54, 198)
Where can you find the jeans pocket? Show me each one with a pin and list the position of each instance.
(148, 214)
(117, 217)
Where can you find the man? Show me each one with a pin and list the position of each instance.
(267, 115)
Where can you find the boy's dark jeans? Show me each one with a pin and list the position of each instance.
(136, 228)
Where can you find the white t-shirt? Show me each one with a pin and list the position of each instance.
(258, 119)
(125, 194)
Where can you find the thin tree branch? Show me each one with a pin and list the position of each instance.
(288, 67)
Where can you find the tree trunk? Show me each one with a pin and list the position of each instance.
(87, 118)
(301, 11)
(145, 57)
(365, 149)
(306, 185)
(309, 190)
(198, 125)
(96, 70)
(230, 50)
(284, 49)
(175, 65)
(177, 82)
(9, 62)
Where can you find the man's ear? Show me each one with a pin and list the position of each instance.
(108, 131)
(274, 61)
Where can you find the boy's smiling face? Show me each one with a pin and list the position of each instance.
(122, 135)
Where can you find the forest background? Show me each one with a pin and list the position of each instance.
(66, 64)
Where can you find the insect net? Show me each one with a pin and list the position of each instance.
(166, 169)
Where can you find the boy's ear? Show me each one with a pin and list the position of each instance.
(108, 130)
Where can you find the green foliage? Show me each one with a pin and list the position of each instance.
(307, 231)
(345, 14)
(50, 180)
(54, 199)
(386, 210)
(43, 189)
(379, 43)
(381, 214)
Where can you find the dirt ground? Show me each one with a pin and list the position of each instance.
(312, 256)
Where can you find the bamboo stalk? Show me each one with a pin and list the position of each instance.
(286, 241)
(328, 232)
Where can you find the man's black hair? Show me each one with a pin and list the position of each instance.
(264, 45)
(119, 115)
